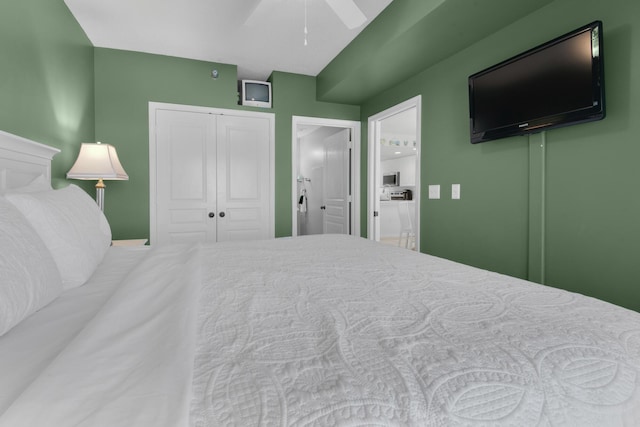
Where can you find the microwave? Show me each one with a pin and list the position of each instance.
(391, 179)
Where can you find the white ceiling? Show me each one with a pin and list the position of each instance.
(259, 36)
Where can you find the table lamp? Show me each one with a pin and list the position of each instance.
(97, 161)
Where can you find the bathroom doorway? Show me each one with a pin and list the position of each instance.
(325, 190)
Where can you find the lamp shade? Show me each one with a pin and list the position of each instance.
(97, 161)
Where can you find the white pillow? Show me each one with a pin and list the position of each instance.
(72, 227)
(29, 278)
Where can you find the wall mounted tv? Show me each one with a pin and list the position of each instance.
(254, 93)
(558, 83)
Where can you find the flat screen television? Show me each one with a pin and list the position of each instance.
(558, 83)
(254, 93)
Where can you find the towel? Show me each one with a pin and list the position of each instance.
(302, 201)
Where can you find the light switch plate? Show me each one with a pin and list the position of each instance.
(455, 191)
(434, 191)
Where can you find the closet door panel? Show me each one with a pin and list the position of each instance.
(243, 178)
(185, 184)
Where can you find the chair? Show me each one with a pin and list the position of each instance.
(407, 215)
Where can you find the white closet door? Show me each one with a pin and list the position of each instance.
(336, 183)
(243, 178)
(211, 175)
(185, 184)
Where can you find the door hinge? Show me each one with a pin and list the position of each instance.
(349, 198)
(375, 213)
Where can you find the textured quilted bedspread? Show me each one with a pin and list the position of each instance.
(333, 330)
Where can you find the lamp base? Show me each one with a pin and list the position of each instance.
(100, 194)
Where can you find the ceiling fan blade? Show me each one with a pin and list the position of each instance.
(348, 12)
(260, 10)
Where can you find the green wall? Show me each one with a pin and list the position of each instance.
(410, 36)
(127, 81)
(580, 231)
(125, 84)
(46, 78)
(295, 95)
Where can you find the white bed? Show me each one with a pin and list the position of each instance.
(318, 330)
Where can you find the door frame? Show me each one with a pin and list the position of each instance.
(374, 175)
(155, 106)
(355, 166)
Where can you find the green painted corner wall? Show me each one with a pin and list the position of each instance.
(125, 83)
(46, 78)
(590, 239)
(295, 95)
(409, 36)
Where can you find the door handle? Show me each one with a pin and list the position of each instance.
(221, 214)
(211, 214)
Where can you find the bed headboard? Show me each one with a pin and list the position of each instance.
(22, 160)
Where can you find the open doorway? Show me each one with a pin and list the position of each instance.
(394, 175)
(326, 170)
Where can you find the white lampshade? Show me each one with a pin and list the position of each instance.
(97, 161)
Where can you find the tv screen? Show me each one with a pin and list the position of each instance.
(555, 84)
(256, 93)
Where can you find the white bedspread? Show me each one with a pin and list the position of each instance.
(334, 330)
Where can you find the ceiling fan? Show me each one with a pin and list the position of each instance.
(347, 10)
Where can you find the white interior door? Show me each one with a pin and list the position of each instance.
(186, 193)
(315, 215)
(336, 183)
(243, 178)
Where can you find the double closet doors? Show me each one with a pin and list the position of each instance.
(211, 174)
